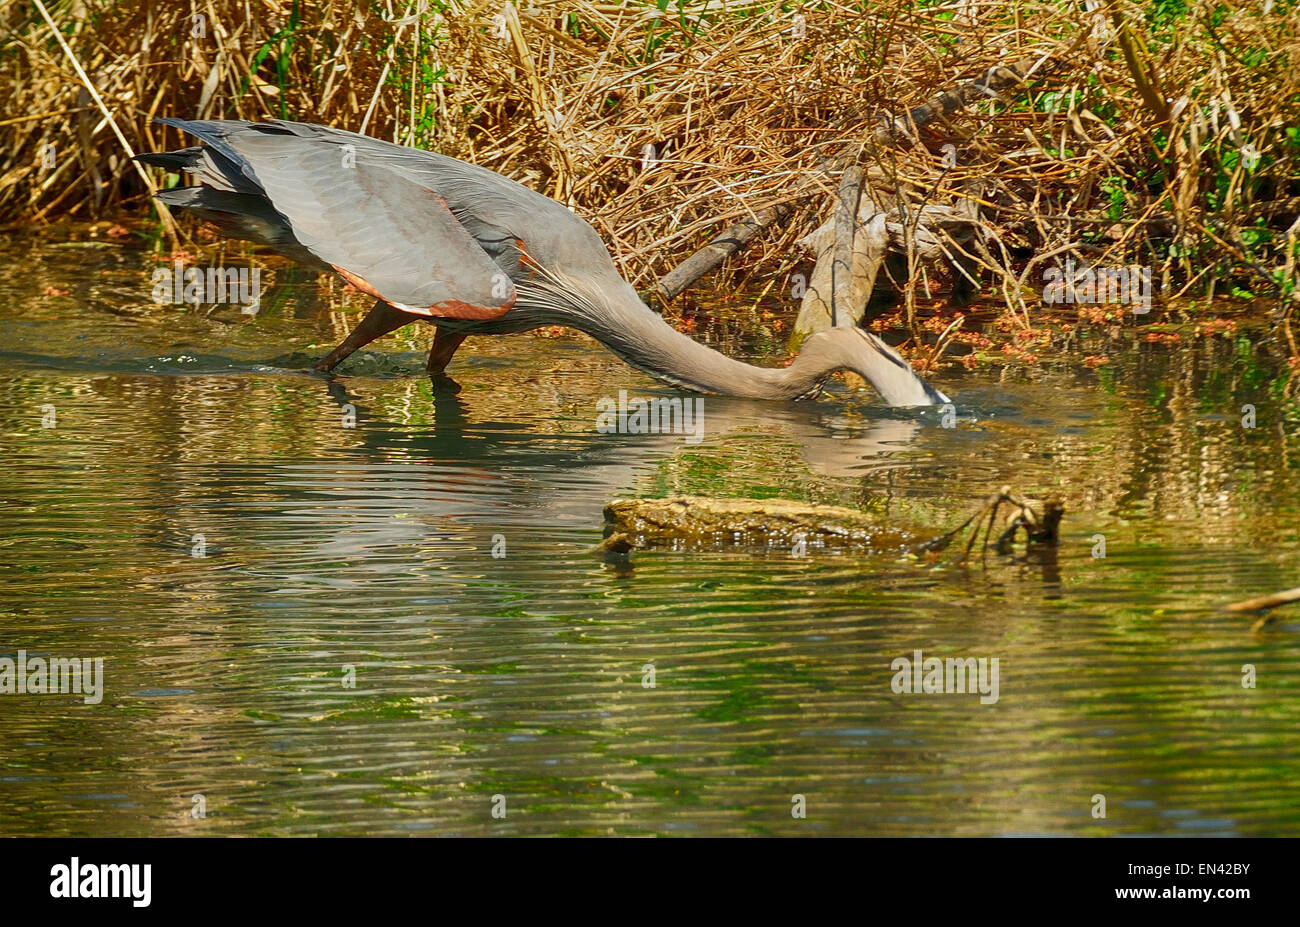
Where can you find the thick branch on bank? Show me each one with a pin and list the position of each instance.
(938, 232)
(989, 84)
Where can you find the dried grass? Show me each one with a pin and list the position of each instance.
(664, 127)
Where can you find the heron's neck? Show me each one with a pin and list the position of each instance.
(641, 337)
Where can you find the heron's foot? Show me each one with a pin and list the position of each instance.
(443, 385)
(379, 321)
(331, 360)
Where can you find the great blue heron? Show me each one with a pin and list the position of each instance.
(471, 251)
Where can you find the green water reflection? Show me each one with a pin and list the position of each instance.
(370, 547)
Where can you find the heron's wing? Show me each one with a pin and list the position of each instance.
(393, 238)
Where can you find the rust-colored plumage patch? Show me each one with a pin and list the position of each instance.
(455, 309)
(447, 309)
(357, 282)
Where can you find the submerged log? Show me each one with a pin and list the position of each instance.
(698, 522)
(703, 523)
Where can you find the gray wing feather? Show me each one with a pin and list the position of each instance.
(494, 209)
(352, 212)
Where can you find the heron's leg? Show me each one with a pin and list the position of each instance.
(445, 344)
(379, 321)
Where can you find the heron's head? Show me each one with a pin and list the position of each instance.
(880, 365)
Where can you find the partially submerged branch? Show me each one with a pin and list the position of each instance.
(1265, 603)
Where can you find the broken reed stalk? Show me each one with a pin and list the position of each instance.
(1039, 520)
(401, 24)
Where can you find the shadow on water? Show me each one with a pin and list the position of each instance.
(396, 614)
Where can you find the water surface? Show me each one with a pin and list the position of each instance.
(521, 676)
